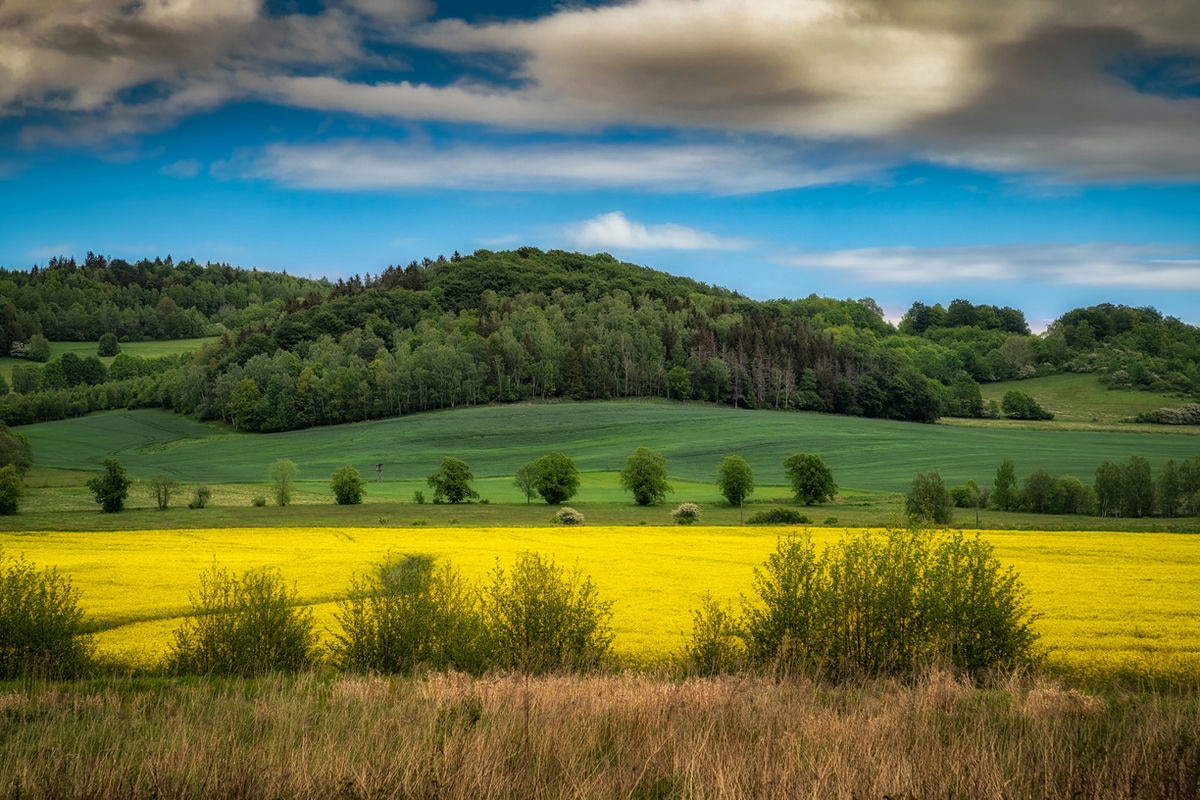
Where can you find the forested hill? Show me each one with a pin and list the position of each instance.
(524, 324)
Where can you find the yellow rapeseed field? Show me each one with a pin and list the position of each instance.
(1122, 602)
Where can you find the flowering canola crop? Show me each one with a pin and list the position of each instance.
(1107, 601)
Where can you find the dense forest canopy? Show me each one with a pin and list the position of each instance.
(517, 325)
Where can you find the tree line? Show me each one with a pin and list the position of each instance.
(527, 324)
(1119, 489)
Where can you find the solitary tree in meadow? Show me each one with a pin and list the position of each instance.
(110, 487)
(557, 478)
(526, 480)
(283, 475)
(811, 478)
(735, 479)
(346, 485)
(1004, 486)
(645, 475)
(929, 500)
(452, 481)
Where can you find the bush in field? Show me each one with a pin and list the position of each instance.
(14, 449)
(110, 487)
(161, 487)
(686, 514)
(1018, 405)
(346, 485)
(244, 625)
(929, 501)
(568, 516)
(12, 489)
(409, 614)
(41, 624)
(716, 645)
(886, 603)
(557, 478)
(202, 496)
(108, 345)
(541, 618)
(778, 516)
(783, 627)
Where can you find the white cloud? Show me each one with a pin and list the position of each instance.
(1113, 265)
(615, 231)
(185, 168)
(351, 165)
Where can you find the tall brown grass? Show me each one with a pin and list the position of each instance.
(624, 736)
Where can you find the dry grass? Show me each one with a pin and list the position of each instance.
(624, 736)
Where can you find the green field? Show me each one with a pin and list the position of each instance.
(865, 455)
(168, 347)
(1079, 399)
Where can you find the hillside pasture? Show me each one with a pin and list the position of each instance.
(866, 455)
(1109, 603)
(1081, 400)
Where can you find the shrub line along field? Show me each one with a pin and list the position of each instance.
(1110, 604)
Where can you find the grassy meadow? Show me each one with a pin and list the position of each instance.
(1110, 603)
(870, 459)
(1079, 399)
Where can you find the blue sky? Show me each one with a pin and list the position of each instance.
(1043, 154)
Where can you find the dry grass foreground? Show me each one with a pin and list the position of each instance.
(624, 736)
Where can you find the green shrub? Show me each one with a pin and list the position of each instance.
(686, 514)
(929, 501)
(108, 345)
(201, 497)
(541, 618)
(886, 603)
(419, 497)
(568, 516)
(777, 516)
(716, 645)
(244, 625)
(41, 624)
(346, 485)
(452, 482)
(556, 478)
(258, 501)
(782, 628)
(409, 614)
(110, 487)
(12, 489)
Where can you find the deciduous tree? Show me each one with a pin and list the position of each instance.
(110, 487)
(347, 486)
(645, 475)
(735, 479)
(283, 475)
(811, 479)
(556, 479)
(452, 482)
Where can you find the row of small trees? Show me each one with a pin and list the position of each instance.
(873, 603)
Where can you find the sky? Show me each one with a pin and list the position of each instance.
(1041, 154)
